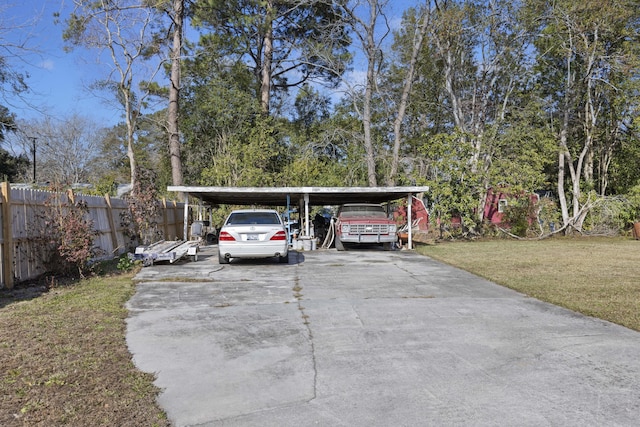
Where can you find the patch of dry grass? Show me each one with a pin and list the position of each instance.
(598, 277)
(65, 361)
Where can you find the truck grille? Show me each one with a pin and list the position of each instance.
(369, 229)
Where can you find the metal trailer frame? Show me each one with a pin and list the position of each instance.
(167, 250)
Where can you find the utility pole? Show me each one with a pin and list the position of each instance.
(33, 151)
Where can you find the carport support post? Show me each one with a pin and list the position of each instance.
(409, 222)
(186, 216)
(307, 227)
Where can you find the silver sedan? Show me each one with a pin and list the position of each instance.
(253, 233)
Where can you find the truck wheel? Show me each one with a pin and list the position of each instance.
(339, 245)
(386, 246)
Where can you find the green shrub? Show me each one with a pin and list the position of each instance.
(127, 263)
(631, 210)
(520, 213)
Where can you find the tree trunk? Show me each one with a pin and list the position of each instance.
(174, 94)
(132, 159)
(130, 122)
(366, 122)
(368, 95)
(408, 83)
(564, 157)
(561, 195)
(265, 84)
(606, 156)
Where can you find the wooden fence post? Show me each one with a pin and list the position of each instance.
(112, 224)
(165, 219)
(7, 234)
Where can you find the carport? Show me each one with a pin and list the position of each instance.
(303, 197)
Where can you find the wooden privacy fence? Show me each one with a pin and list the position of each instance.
(20, 213)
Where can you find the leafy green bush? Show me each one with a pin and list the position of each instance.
(549, 218)
(607, 216)
(127, 263)
(631, 211)
(519, 214)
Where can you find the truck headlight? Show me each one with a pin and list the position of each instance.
(392, 228)
(344, 228)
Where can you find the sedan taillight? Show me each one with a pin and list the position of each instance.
(280, 235)
(226, 237)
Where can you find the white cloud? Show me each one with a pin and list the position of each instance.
(47, 64)
(356, 77)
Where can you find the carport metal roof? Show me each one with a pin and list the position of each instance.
(297, 196)
(317, 196)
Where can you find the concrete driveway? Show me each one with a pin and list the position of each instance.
(372, 338)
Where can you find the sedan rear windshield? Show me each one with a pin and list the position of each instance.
(249, 218)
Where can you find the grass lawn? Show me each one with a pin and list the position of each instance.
(64, 358)
(598, 277)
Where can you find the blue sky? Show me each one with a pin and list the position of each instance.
(58, 80)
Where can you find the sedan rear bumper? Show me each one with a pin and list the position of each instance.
(258, 250)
